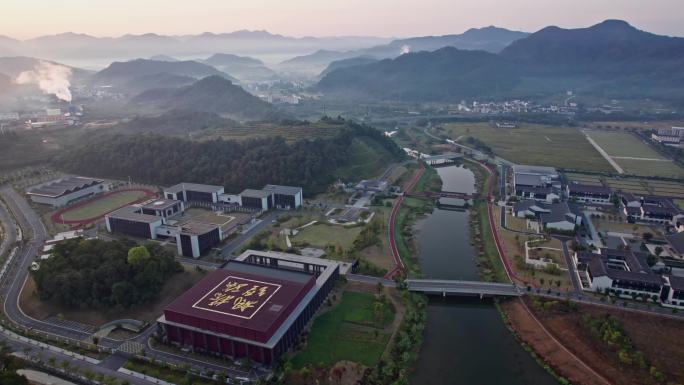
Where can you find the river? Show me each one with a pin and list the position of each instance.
(466, 342)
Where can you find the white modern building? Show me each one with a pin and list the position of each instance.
(63, 191)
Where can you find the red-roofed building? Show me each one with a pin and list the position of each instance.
(255, 306)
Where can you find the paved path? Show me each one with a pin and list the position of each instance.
(398, 264)
(234, 244)
(638, 158)
(604, 154)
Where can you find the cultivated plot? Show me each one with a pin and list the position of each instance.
(562, 147)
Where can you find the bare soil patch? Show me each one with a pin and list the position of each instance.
(657, 337)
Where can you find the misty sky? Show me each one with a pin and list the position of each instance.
(398, 18)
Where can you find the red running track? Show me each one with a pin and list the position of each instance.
(80, 222)
(398, 264)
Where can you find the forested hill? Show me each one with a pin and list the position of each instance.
(610, 60)
(213, 94)
(312, 164)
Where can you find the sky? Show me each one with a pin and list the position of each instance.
(25, 19)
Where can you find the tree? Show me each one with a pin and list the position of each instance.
(137, 256)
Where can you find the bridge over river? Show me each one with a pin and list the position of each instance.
(463, 288)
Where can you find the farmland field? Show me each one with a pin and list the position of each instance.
(632, 184)
(562, 147)
(625, 149)
(617, 143)
(651, 168)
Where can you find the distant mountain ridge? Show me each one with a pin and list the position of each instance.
(121, 73)
(242, 67)
(81, 46)
(490, 39)
(610, 59)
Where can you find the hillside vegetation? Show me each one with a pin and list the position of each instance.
(356, 151)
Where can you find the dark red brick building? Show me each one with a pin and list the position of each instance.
(255, 306)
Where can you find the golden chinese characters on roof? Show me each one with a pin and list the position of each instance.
(237, 297)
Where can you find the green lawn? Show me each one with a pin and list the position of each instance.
(680, 203)
(618, 143)
(320, 235)
(344, 333)
(102, 206)
(535, 144)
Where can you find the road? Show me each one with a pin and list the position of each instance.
(234, 244)
(572, 269)
(445, 287)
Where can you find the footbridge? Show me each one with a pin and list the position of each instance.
(462, 288)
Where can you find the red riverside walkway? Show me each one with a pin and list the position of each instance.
(398, 264)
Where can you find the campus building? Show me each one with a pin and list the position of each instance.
(536, 182)
(187, 192)
(588, 194)
(269, 197)
(153, 220)
(623, 273)
(651, 209)
(553, 216)
(64, 191)
(255, 306)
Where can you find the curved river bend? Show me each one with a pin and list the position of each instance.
(466, 342)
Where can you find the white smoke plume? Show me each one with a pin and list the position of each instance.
(51, 78)
(405, 49)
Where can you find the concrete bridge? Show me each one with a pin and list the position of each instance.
(462, 288)
(444, 194)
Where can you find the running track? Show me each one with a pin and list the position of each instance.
(80, 222)
(398, 264)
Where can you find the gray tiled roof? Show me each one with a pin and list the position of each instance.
(63, 186)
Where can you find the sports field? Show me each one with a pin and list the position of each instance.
(350, 331)
(95, 208)
(535, 144)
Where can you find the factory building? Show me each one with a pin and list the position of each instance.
(64, 191)
(255, 306)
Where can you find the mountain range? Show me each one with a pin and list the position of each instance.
(490, 39)
(611, 59)
(74, 46)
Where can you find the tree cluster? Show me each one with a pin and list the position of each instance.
(99, 274)
(235, 165)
